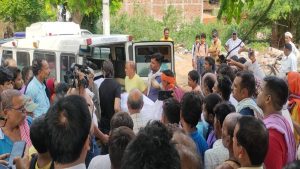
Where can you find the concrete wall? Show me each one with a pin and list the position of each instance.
(190, 9)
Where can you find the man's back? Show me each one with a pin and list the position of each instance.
(108, 91)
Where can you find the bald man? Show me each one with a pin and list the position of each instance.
(227, 135)
(133, 80)
(135, 104)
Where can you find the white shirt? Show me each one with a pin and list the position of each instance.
(138, 122)
(79, 166)
(215, 156)
(288, 64)
(295, 50)
(100, 162)
(232, 44)
(256, 69)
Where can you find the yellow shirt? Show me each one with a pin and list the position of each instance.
(46, 167)
(32, 151)
(215, 49)
(163, 39)
(135, 83)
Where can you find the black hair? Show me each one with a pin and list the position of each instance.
(121, 119)
(242, 60)
(209, 81)
(171, 109)
(118, 140)
(166, 29)
(69, 123)
(254, 137)
(191, 108)
(39, 135)
(247, 82)
(211, 62)
(194, 75)
(288, 46)
(168, 72)
(278, 89)
(158, 57)
(222, 109)
(15, 71)
(5, 75)
(61, 87)
(151, 149)
(37, 65)
(293, 165)
(235, 58)
(224, 86)
(25, 72)
(197, 36)
(210, 101)
(225, 69)
(203, 35)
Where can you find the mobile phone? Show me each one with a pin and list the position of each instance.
(17, 151)
(163, 95)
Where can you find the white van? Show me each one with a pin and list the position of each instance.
(62, 50)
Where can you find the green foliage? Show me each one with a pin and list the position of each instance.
(172, 17)
(232, 9)
(21, 13)
(258, 46)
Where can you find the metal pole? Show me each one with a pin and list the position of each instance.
(105, 17)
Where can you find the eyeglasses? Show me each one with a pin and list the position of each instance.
(20, 109)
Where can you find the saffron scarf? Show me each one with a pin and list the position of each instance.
(294, 98)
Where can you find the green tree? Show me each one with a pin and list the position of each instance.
(21, 13)
(86, 12)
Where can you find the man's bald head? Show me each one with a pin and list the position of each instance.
(131, 64)
(228, 129)
(135, 100)
(230, 122)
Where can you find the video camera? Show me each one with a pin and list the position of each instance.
(72, 74)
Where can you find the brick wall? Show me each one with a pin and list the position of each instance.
(190, 9)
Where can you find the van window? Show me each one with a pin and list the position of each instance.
(143, 54)
(102, 53)
(5, 55)
(66, 60)
(50, 57)
(23, 59)
(119, 63)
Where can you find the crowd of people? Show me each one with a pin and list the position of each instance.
(232, 117)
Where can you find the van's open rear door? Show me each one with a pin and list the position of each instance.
(143, 50)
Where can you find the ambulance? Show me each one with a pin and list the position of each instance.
(64, 43)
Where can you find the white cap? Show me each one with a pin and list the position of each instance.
(288, 34)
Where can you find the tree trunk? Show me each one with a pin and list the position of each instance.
(77, 17)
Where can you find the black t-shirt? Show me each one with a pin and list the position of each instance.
(108, 91)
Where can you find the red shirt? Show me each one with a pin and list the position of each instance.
(277, 151)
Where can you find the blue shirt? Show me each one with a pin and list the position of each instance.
(153, 92)
(36, 91)
(202, 128)
(247, 111)
(200, 142)
(6, 144)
